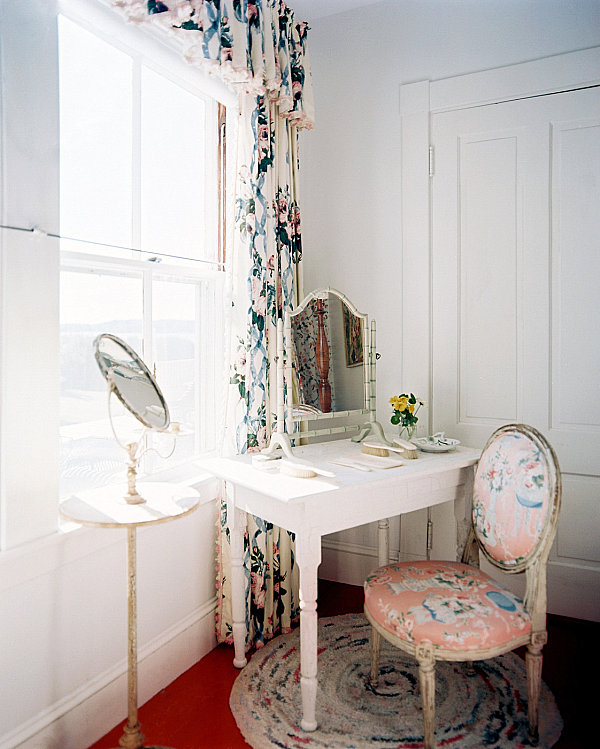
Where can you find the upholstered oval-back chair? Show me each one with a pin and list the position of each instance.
(455, 612)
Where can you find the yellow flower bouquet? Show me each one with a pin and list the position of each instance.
(406, 407)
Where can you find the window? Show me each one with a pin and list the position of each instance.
(139, 227)
(110, 141)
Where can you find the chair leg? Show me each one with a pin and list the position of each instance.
(533, 659)
(427, 683)
(375, 649)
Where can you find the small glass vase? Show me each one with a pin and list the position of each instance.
(407, 432)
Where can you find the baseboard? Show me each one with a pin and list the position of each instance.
(351, 563)
(88, 713)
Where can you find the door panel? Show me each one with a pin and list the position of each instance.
(488, 293)
(515, 289)
(575, 372)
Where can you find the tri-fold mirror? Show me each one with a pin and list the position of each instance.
(326, 371)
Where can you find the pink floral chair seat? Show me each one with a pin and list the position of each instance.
(451, 605)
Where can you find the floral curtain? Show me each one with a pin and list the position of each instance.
(267, 217)
(258, 48)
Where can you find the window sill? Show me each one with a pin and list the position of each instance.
(72, 541)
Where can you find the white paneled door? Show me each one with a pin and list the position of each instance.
(515, 207)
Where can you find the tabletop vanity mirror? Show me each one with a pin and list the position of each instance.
(132, 382)
(326, 372)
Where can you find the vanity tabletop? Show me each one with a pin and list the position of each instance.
(270, 481)
(107, 508)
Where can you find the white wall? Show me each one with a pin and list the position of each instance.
(350, 165)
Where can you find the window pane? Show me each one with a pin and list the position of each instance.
(90, 304)
(173, 169)
(95, 140)
(175, 352)
(187, 356)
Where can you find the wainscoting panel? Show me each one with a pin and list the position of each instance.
(80, 717)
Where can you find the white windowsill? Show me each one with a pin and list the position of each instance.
(71, 541)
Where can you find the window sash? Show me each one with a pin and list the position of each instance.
(204, 372)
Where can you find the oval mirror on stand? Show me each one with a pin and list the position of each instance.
(133, 384)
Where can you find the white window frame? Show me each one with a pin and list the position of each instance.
(30, 260)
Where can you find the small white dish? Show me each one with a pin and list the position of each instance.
(436, 443)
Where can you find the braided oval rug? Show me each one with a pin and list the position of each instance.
(487, 709)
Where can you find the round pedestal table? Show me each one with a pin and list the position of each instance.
(107, 508)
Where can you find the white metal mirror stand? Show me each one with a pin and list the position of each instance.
(131, 448)
(107, 508)
(132, 734)
(135, 450)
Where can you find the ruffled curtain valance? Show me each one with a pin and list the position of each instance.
(255, 46)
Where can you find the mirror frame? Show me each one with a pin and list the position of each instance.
(107, 373)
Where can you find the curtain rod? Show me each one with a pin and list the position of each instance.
(156, 256)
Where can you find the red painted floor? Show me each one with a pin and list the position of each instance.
(193, 712)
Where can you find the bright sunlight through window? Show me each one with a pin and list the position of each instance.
(138, 169)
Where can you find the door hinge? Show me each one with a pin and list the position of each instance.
(431, 161)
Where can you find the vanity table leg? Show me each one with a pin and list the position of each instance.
(236, 520)
(308, 554)
(383, 541)
(132, 737)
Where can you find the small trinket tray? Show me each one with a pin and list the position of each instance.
(436, 443)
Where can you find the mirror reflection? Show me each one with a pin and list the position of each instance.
(131, 381)
(329, 357)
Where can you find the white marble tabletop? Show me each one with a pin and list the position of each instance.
(106, 507)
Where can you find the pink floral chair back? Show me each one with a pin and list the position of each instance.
(515, 495)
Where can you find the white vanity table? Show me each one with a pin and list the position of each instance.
(314, 507)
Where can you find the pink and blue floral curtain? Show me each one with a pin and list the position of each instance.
(268, 238)
(258, 48)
